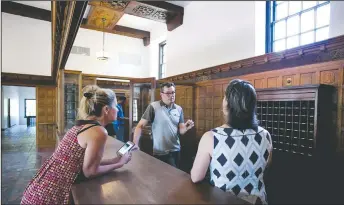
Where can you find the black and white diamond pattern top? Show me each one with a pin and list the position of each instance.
(239, 160)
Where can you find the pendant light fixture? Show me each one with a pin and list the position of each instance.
(102, 55)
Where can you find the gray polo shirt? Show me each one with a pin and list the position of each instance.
(165, 126)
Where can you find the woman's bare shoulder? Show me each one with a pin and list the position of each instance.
(96, 133)
(207, 141)
(208, 135)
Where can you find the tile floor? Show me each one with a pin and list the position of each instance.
(20, 160)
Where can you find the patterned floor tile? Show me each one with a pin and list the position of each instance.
(20, 161)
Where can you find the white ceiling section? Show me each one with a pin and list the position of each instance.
(39, 4)
(179, 3)
(139, 23)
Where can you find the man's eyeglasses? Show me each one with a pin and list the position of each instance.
(172, 93)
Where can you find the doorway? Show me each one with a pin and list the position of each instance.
(141, 95)
(8, 112)
(19, 104)
(122, 89)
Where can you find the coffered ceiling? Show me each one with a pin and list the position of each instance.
(129, 18)
(113, 11)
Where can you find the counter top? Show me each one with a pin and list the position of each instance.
(147, 180)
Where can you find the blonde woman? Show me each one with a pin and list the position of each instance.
(79, 154)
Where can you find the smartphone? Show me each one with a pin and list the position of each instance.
(125, 148)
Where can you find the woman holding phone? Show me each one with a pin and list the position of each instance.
(79, 154)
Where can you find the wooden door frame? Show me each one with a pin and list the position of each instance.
(8, 112)
(152, 93)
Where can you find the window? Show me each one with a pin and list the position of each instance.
(162, 59)
(135, 119)
(30, 107)
(296, 23)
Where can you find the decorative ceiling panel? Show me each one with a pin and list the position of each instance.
(116, 5)
(159, 12)
(97, 13)
(147, 11)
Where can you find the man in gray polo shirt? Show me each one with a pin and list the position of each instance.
(167, 124)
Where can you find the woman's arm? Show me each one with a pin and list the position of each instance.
(203, 157)
(270, 150)
(94, 152)
(110, 161)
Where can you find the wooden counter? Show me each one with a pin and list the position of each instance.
(146, 180)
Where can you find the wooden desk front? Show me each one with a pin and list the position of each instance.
(146, 180)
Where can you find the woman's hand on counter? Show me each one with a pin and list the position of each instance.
(125, 158)
(135, 148)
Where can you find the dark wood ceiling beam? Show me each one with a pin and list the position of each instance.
(124, 31)
(134, 35)
(132, 30)
(25, 80)
(146, 41)
(67, 17)
(145, 34)
(25, 10)
(77, 17)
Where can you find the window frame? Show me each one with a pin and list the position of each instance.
(25, 116)
(161, 55)
(271, 21)
(135, 113)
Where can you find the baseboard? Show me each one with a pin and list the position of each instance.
(3, 129)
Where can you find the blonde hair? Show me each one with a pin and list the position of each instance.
(93, 100)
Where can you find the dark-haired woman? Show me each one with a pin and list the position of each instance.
(238, 151)
(79, 153)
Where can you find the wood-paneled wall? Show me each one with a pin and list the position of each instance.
(209, 94)
(184, 98)
(46, 116)
(208, 107)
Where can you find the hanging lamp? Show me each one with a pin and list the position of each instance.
(102, 55)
